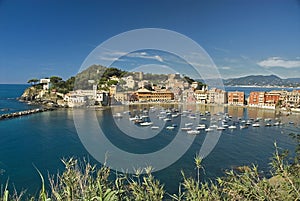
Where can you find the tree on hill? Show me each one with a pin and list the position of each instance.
(70, 83)
(55, 80)
(188, 79)
(33, 81)
(109, 72)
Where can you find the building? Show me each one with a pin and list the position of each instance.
(74, 99)
(264, 99)
(201, 96)
(113, 90)
(174, 76)
(145, 95)
(121, 97)
(130, 82)
(194, 85)
(102, 98)
(236, 98)
(143, 83)
(217, 96)
(272, 98)
(256, 98)
(46, 83)
(292, 99)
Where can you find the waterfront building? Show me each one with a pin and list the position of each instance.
(264, 99)
(272, 98)
(121, 97)
(145, 95)
(217, 96)
(292, 99)
(102, 98)
(177, 93)
(236, 98)
(201, 96)
(79, 99)
(256, 98)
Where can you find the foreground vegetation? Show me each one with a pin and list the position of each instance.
(83, 181)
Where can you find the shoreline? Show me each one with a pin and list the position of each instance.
(44, 108)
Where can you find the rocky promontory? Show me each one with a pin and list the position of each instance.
(33, 95)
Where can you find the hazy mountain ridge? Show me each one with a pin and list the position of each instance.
(262, 80)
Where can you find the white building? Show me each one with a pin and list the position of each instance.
(46, 83)
(130, 83)
(102, 97)
(201, 96)
(292, 99)
(217, 96)
(143, 83)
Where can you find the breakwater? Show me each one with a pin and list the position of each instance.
(24, 113)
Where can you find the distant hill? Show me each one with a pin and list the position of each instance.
(262, 80)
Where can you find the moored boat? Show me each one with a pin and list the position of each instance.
(220, 128)
(186, 128)
(209, 129)
(232, 127)
(170, 127)
(243, 126)
(154, 127)
(146, 123)
(256, 125)
(193, 132)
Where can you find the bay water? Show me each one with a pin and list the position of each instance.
(41, 140)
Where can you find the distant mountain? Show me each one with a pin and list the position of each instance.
(262, 80)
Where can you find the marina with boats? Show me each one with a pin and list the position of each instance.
(194, 122)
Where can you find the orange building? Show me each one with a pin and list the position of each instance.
(272, 98)
(236, 98)
(264, 99)
(256, 98)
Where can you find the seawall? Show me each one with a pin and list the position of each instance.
(24, 113)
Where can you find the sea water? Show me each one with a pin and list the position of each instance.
(42, 140)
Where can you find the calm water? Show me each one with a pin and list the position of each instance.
(8, 98)
(43, 139)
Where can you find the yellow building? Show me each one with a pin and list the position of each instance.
(145, 95)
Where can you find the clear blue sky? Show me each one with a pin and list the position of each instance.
(44, 38)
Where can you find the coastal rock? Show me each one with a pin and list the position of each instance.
(33, 95)
(29, 94)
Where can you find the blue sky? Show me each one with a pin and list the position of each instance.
(44, 38)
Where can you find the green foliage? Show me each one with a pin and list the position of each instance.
(112, 82)
(109, 72)
(55, 80)
(188, 79)
(33, 81)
